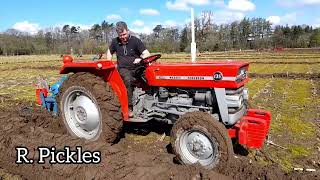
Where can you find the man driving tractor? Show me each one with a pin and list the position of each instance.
(130, 50)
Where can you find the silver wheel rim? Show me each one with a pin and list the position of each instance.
(196, 147)
(82, 114)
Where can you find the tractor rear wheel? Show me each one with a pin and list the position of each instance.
(198, 138)
(89, 108)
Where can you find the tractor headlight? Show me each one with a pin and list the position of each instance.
(242, 74)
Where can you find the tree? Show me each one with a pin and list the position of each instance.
(245, 31)
(315, 38)
(157, 30)
(184, 39)
(234, 34)
(49, 41)
(106, 29)
(96, 32)
(209, 37)
(67, 31)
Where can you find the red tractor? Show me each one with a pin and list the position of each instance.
(205, 102)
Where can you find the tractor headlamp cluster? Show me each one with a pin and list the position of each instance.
(242, 74)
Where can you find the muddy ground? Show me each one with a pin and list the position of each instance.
(139, 154)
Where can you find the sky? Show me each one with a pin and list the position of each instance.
(142, 15)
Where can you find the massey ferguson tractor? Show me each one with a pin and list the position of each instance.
(206, 102)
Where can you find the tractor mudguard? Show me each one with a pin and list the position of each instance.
(105, 69)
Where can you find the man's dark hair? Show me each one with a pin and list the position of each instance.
(121, 26)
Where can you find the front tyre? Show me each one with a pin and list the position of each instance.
(89, 108)
(198, 138)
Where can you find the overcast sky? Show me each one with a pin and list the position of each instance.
(143, 15)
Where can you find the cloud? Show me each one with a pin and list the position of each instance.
(219, 3)
(177, 6)
(26, 26)
(222, 17)
(310, 2)
(143, 30)
(113, 17)
(84, 26)
(275, 20)
(198, 2)
(297, 3)
(150, 12)
(138, 23)
(289, 18)
(183, 5)
(241, 5)
(148, 29)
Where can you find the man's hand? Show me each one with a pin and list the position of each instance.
(137, 60)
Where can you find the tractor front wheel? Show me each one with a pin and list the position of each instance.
(198, 138)
(89, 108)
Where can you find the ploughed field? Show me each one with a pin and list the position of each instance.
(287, 83)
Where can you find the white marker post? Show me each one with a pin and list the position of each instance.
(193, 43)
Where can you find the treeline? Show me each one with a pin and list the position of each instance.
(249, 33)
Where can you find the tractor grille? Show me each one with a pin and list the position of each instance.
(235, 99)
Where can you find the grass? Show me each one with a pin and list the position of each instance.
(256, 86)
(299, 151)
(289, 101)
(36, 58)
(18, 85)
(284, 68)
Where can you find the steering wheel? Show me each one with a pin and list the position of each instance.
(146, 61)
(143, 64)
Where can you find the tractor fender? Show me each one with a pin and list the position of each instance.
(110, 74)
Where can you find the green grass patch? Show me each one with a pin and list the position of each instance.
(284, 68)
(22, 93)
(256, 85)
(26, 74)
(299, 151)
(298, 128)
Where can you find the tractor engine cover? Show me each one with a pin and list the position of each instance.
(198, 75)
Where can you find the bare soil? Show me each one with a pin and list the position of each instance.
(31, 126)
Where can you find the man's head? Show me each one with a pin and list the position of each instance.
(123, 32)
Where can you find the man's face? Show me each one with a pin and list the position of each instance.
(124, 36)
